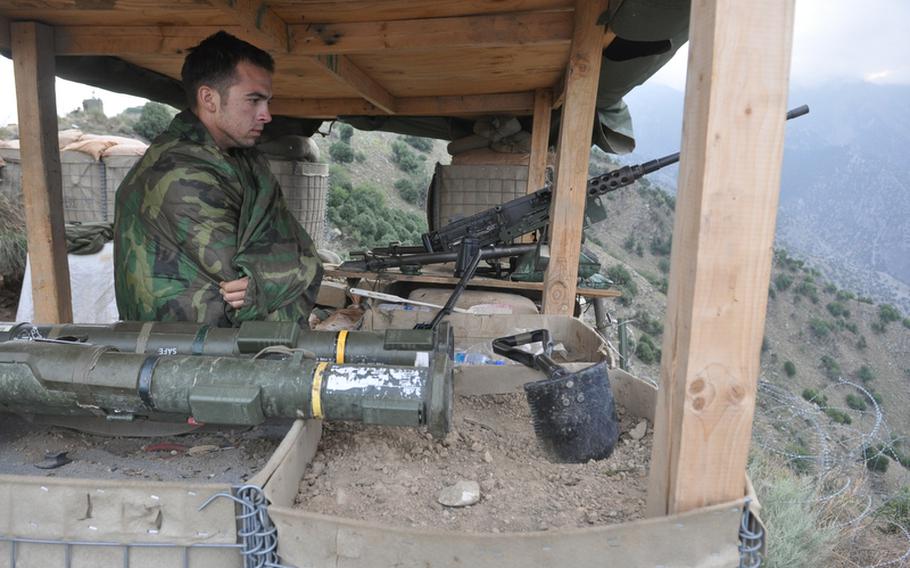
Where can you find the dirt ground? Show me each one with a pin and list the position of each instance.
(207, 455)
(394, 475)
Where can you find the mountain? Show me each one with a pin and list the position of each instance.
(845, 186)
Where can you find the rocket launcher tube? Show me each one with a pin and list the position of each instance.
(391, 347)
(49, 378)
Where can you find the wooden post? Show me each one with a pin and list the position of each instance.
(540, 136)
(576, 125)
(42, 186)
(729, 181)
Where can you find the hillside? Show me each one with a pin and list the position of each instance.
(847, 354)
(845, 194)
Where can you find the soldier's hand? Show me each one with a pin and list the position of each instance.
(234, 291)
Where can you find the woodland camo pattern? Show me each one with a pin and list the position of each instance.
(189, 216)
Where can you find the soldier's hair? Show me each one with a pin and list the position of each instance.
(214, 61)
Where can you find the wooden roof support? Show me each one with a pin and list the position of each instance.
(411, 106)
(729, 181)
(568, 207)
(341, 68)
(560, 87)
(540, 140)
(121, 41)
(259, 24)
(42, 184)
(497, 30)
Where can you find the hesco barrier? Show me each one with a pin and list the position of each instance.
(462, 190)
(89, 187)
(305, 186)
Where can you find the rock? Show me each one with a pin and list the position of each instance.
(317, 468)
(342, 497)
(462, 494)
(451, 439)
(487, 457)
(639, 431)
(204, 449)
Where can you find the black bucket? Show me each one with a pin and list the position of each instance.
(574, 413)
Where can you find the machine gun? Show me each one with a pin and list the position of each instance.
(494, 228)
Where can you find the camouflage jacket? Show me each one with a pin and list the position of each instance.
(189, 216)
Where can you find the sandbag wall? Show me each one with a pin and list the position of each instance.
(89, 186)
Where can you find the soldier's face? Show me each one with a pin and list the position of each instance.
(243, 111)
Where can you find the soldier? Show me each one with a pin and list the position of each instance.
(201, 230)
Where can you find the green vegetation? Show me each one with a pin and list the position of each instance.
(790, 368)
(784, 260)
(838, 416)
(837, 309)
(422, 144)
(661, 247)
(346, 132)
(808, 289)
(856, 402)
(13, 242)
(878, 327)
(153, 120)
(875, 458)
(843, 295)
(830, 367)
(865, 374)
(896, 511)
(815, 397)
(405, 158)
(646, 351)
(341, 153)
(906, 322)
(851, 327)
(411, 192)
(622, 279)
(888, 313)
(819, 328)
(802, 537)
(783, 281)
(648, 324)
(363, 216)
(664, 265)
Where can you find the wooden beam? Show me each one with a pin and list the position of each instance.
(560, 87)
(736, 92)
(576, 125)
(411, 106)
(540, 140)
(259, 24)
(345, 72)
(436, 33)
(42, 185)
(132, 41)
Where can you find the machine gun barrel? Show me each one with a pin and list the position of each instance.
(71, 379)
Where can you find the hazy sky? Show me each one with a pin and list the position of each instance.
(833, 40)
